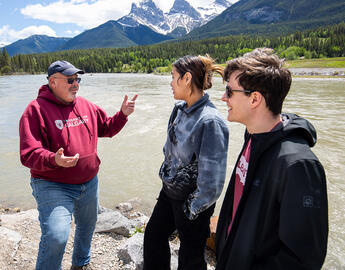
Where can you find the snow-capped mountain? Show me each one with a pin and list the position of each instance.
(180, 20)
(214, 9)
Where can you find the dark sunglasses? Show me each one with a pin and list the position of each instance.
(229, 92)
(70, 80)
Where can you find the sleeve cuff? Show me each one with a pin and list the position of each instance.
(122, 115)
(52, 162)
(188, 213)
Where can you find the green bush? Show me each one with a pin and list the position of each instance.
(5, 70)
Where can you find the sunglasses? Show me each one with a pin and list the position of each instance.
(229, 92)
(70, 80)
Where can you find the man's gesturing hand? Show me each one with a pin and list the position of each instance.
(64, 161)
(127, 107)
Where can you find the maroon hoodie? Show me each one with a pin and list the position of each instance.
(47, 125)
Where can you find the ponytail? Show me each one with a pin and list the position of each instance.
(210, 68)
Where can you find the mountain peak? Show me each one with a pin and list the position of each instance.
(183, 7)
(181, 18)
(143, 12)
(224, 3)
(145, 5)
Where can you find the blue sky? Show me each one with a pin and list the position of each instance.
(63, 18)
(59, 18)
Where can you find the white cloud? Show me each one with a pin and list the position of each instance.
(71, 33)
(9, 35)
(78, 1)
(86, 14)
(91, 13)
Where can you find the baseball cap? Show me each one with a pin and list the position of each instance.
(63, 67)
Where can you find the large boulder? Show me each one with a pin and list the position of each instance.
(131, 252)
(114, 221)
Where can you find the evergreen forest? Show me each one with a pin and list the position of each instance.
(327, 41)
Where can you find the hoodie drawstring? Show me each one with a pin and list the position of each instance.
(62, 119)
(75, 110)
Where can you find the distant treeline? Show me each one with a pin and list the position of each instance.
(328, 41)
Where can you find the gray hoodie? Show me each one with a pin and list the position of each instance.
(195, 153)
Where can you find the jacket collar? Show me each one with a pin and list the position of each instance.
(182, 105)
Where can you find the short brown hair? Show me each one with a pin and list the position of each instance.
(263, 71)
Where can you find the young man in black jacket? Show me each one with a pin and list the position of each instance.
(274, 214)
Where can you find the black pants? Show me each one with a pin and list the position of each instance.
(168, 216)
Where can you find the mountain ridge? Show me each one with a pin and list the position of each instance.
(36, 44)
(142, 26)
(114, 35)
(271, 17)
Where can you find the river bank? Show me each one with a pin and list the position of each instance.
(314, 72)
(20, 239)
(111, 250)
(318, 72)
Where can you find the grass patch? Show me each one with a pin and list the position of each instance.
(139, 229)
(337, 62)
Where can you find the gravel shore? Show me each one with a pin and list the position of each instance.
(19, 239)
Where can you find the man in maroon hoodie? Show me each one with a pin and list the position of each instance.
(58, 142)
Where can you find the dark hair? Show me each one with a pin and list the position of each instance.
(200, 67)
(263, 71)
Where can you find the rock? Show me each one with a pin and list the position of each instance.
(114, 221)
(102, 209)
(140, 222)
(125, 207)
(174, 247)
(136, 202)
(12, 236)
(135, 215)
(11, 219)
(7, 210)
(132, 251)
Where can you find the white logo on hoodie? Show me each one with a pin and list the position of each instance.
(59, 124)
(242, 169)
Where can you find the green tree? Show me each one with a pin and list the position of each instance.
(5, 59)
(324, 41)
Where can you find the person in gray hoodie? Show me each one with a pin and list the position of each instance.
(193, 170)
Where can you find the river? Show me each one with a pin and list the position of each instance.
(130, 160)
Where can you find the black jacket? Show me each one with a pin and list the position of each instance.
(282, 218)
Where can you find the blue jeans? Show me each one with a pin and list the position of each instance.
(56, 202)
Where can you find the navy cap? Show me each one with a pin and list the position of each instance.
(63, 67)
